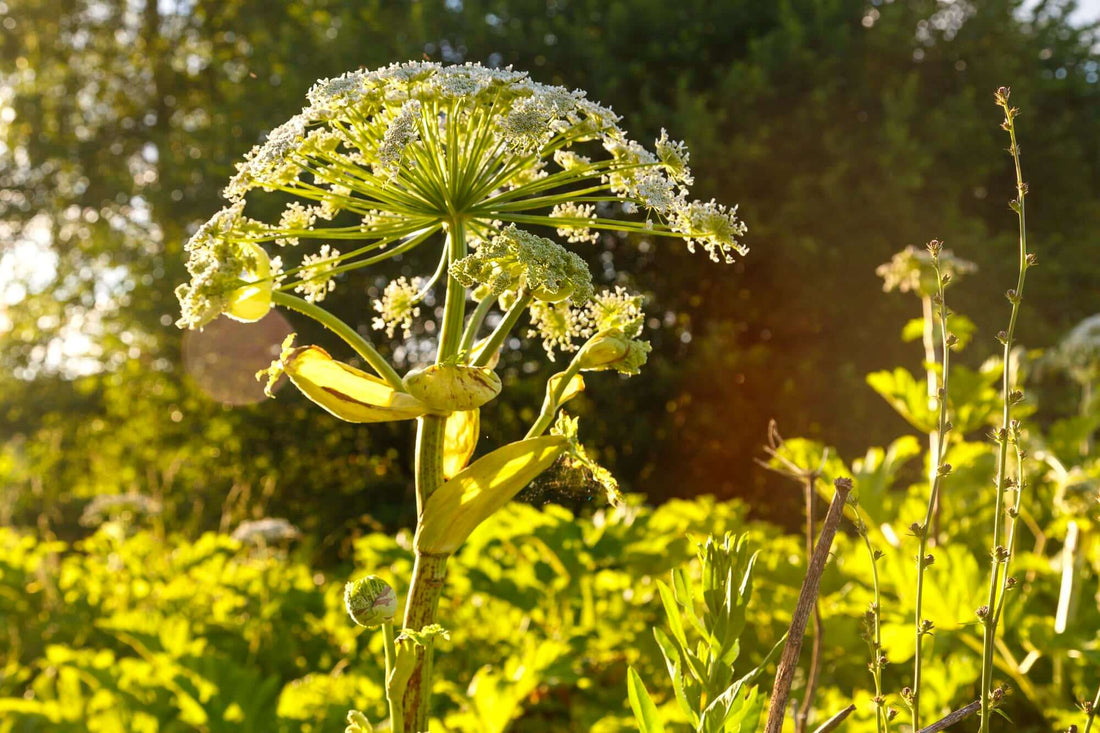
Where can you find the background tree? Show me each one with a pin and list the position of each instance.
(846, 129)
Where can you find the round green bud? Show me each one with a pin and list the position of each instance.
(370, 601)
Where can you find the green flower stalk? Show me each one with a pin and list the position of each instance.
(922, 626)
(990, 613)
(482, 166)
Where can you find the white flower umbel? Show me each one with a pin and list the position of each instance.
(386, 158)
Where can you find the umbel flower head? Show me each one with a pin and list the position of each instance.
(380, 161)
(911, 270)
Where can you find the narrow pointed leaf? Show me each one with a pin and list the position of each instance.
(645, 712)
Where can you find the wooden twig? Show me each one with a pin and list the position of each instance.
(817, 650)
(834, 722)
(807, 477)
(788, 661)
(952, 718)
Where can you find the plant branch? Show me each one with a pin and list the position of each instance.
(788, 661)
(951, 718)
(818, 640)
(834, 722)
(344, 331)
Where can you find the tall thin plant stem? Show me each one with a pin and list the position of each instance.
(922, 627)
(989, 614)
(874, 629)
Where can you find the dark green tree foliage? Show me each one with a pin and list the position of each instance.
(846, 129)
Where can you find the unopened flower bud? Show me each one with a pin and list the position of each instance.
(453, 387)
(252, 301)
(370, 601)
(612, 349)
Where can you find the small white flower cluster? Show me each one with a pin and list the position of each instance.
(567, 160)
(398, 306)
(712, 226)
(219, 260)
(295, 217)
(402, 131)
(264, 532)
(316, 274)
(559, 325)
(576, 233)
(674, 157)
(617, 309)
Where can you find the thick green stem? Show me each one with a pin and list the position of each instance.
(990, 618)
(429, 573)
(344, 331)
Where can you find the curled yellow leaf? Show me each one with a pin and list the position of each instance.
(347, 392)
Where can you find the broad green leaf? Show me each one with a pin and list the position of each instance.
(906, 395)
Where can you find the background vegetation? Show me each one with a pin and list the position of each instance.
(845, 128)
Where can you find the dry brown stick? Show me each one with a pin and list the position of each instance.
(788, 661)
(834, 722)
(952, 718)
(803, 717)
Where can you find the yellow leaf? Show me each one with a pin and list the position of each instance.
(459, 440)
(457, 507)
(346, 392)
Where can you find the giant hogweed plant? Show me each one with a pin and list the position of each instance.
(474, 163)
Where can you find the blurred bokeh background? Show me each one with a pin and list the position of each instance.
(173, 545)
(845, 129)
